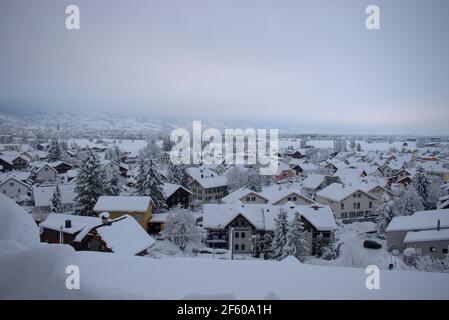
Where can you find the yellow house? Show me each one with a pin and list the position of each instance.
(140, 208)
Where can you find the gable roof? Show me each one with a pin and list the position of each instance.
(43, 195)
(420, 220)
(239, 194)
(313, 181)
(122, 204)
(168, 189)
(338, 192)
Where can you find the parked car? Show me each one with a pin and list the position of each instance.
(371, 244)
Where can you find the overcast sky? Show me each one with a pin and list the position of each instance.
(310, 63)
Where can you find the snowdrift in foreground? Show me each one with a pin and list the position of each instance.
(39, 273)
(16, 224)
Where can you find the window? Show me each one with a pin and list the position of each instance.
(344, 215)
(370, 204)
(243, 234)
(354, 195)
(18, 190)
(342, 206)
(236, 247)
(242, 247)
(11, 184)
(445, 251)
(237, 235)
(359, 195)
(354, 205)
(248, 199)
(358, 205)
(253, 199)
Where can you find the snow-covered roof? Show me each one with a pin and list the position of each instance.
(275, 196)
(239, 194)
(212, 182)
(43, 195)
(169, 189)
(125, 236)
(261, 216)
(7, 178)
(304, 164)
(338, 192)
(433, 166)
(16, 224)
(426, 235)
(54, 221)
(122, 204)
(313, 181)
(422, 220)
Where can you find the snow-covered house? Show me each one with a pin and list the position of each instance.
(402, 232)
(13, 161)
(393, 167)
(210, 189)
(284, 172)
(43, 172)
(243, 221)
(122, 235)
(140, 208)
(302, 167)
(435, 169)
(176, 194)
(14, 188)
(316, 182)
(284, 195)
(348, 203)
(61, 166)
(443, 202)
(43, 196)
(245, 195)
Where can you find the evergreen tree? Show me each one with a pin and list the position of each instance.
(267, 240)
(54, 153)
(297, 245)
(150, 184)
(328, 248)
(177, 174)
(167, 144)
(279, 236)
(112, 185)
(420, 183)
(56, 201)
(89, 184)
(352, 145)
(359, 147)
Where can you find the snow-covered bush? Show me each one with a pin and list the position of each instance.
(328, 248)
(430, 264)
(181, 228)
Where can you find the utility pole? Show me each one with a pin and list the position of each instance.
(231, 241)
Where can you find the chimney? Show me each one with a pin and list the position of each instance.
(68, 223)
(438, 225)
(104, 217)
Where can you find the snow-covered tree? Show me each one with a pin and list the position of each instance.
(254, 181)
(112, 183)
(385, 213)
(420, 183)
(280, 236)
(297, 245)
(89, 184)
(54, 153)
(151, 150)
(328, 248)
(359, 147)
(113, 154)
(167, 144)
(181, 228)
(56, 201)
(434, 192)
(267, 240)
(177, 174)
(302, 143)
(236, 178)
(407, 202)
(149, 183)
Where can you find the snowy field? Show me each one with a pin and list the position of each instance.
(374, 146)
(40, 273)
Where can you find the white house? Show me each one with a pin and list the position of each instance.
(43, 195)
(15, 188)
(348, 203)
(43, 172)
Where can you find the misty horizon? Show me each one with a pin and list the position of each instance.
(309, 66)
